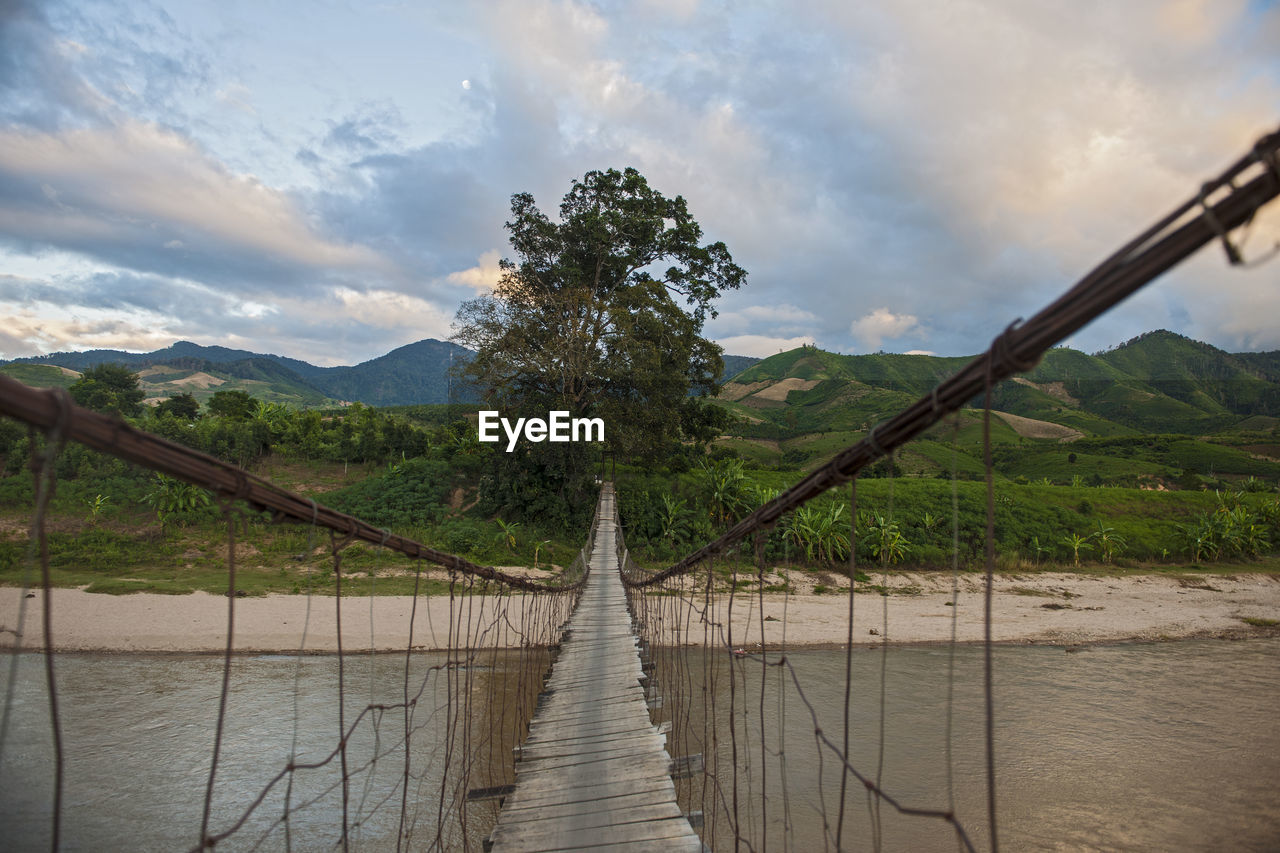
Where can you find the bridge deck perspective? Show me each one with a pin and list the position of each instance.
(594, 772)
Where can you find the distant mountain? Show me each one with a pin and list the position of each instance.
(415, 373)
(1160, 382)
(1202, 376)
(735, 364)
(1157, 382)
(260, 378)
(170, 354)
(1117, 417)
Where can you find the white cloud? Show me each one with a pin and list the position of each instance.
(960, 162)
(1078, 130)
(871, 330)
(483, 277)
(387, 309)
(761, 346)
(37, 329)
(110, 187)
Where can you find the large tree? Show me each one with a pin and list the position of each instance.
(601, 313)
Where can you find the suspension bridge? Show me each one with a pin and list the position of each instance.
(594, 772)
(567, 714)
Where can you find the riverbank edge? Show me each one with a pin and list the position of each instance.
(1055, 609)
(1234, 635)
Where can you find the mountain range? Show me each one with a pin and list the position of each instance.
(1159, 382)
(415, 373)
(798, 406)
(412, 374)
(1161, 410)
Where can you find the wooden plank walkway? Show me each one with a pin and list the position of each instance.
(594, 773)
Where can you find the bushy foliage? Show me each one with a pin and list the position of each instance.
(110, 388)
(1243, 524)
(412, 493)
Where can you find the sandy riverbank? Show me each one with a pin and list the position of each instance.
(1042, 608)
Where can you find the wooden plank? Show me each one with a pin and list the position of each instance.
(595, 748)
(605, 814)
(588, 804)
(594, 771)
(549, 794)
(604, 728)
(567, 836)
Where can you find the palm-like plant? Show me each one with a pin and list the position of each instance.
(673, 520)
(1200, 540)
(1254, 539)
(801, 530)
(1110, 543)
(885, 540)
(170, 497)
(834, 541)
(97, 504)
(508, 534)
(1077, 543)
(723, 483)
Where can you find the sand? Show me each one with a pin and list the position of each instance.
(1053, 608)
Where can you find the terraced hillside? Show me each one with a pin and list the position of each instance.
(260, 378)
(1158, 409)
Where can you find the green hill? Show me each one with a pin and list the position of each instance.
(1221, 385)
(40, 375)
(415, 373)
(258, 377)
(797, 407)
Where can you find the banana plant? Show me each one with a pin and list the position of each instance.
(171, 497)
(1077, 543)
(508, 534)
(674, 520)
(1109, 542)
(885, 541)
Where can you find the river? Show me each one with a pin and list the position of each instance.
(1122, 747)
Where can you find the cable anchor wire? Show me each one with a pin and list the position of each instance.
(1211, 219)
(1003, 353)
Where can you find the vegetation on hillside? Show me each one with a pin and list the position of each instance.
(421, 472)
(412, 374)
(1074, 418)
(411, 472)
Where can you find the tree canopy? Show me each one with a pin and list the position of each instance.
(235, 405)
(110, 388)
(184, 406)
(601, 314)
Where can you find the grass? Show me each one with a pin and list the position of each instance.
(1259, 622)
(119, 557)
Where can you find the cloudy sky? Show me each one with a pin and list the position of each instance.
(329, 180)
